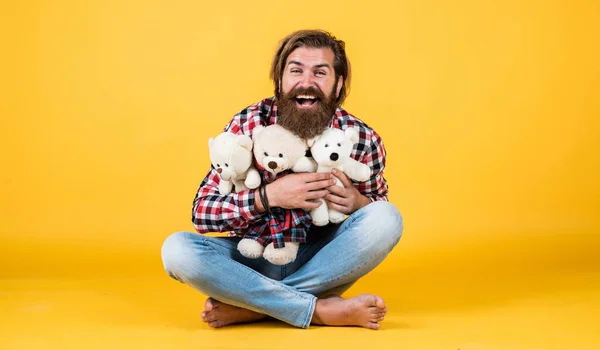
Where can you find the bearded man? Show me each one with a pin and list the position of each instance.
(311, 76)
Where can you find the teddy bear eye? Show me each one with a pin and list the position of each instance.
(326, 145)
(218, 166)
(339, 145)
(266, 155)
(280, 155)
(226, 164)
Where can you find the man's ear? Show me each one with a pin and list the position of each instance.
(340, 82)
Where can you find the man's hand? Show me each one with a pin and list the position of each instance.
(299, 190)
(345, 199)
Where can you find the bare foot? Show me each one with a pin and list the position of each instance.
(218, 314)
(365, 310)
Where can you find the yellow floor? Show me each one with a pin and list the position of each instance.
(466, 298)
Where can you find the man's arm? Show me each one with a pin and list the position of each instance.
(214, 212)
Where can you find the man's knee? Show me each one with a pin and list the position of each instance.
(385, 223)
(175, 253)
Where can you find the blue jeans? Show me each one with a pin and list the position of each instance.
(334, 258)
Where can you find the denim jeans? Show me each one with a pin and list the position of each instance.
(334, 257)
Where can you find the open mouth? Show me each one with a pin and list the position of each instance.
(306, 101)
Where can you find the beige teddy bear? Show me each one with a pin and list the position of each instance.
(231, 156)
(276, 150)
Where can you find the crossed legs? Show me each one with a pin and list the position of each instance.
(304, 292)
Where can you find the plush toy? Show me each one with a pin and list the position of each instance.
(332, 149)
(231, 155)
(277, 150)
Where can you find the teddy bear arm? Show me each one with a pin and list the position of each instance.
(225, 186)
(252, 178)
(305, 165)
(356, 170)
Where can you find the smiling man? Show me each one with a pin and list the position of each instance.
(311, 76)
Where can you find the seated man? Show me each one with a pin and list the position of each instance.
(311, 75)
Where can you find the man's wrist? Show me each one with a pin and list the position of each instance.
(257, 202)
(270, 196)
(363, 201)
(259, 199)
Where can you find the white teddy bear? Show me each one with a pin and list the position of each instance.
(276, 150)
(332, 149)
(231, 155)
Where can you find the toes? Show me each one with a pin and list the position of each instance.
(376, 316)
(211, 317)
(376, 311)
(203, 316)
(379, 302)
(372, 325)
(215, 324)
(209, 304)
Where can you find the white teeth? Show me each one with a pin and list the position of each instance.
(307, 97)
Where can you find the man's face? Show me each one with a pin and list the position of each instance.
(308, 91)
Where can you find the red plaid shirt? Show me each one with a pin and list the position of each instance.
(236, 214)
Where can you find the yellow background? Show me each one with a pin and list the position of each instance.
(488, 110)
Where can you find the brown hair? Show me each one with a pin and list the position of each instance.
(314, 39)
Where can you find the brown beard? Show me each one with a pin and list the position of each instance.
(304, 123)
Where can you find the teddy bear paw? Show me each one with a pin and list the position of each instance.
(320, 221)
(336, 217)
(281, 256)
(250, 248)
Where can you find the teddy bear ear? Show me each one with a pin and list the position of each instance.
(244, 141)
(311, 142)
(256, 131)
(352, 134)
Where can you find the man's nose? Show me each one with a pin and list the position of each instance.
(307, 80)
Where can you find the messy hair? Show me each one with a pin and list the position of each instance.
(313, 39)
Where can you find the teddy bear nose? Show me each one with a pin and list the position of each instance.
(219, 170)
(272, 165)
(334, 156)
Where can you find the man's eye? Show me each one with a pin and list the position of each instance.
(320, 73)
(296, 71)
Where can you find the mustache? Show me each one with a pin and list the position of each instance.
(306, 91)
